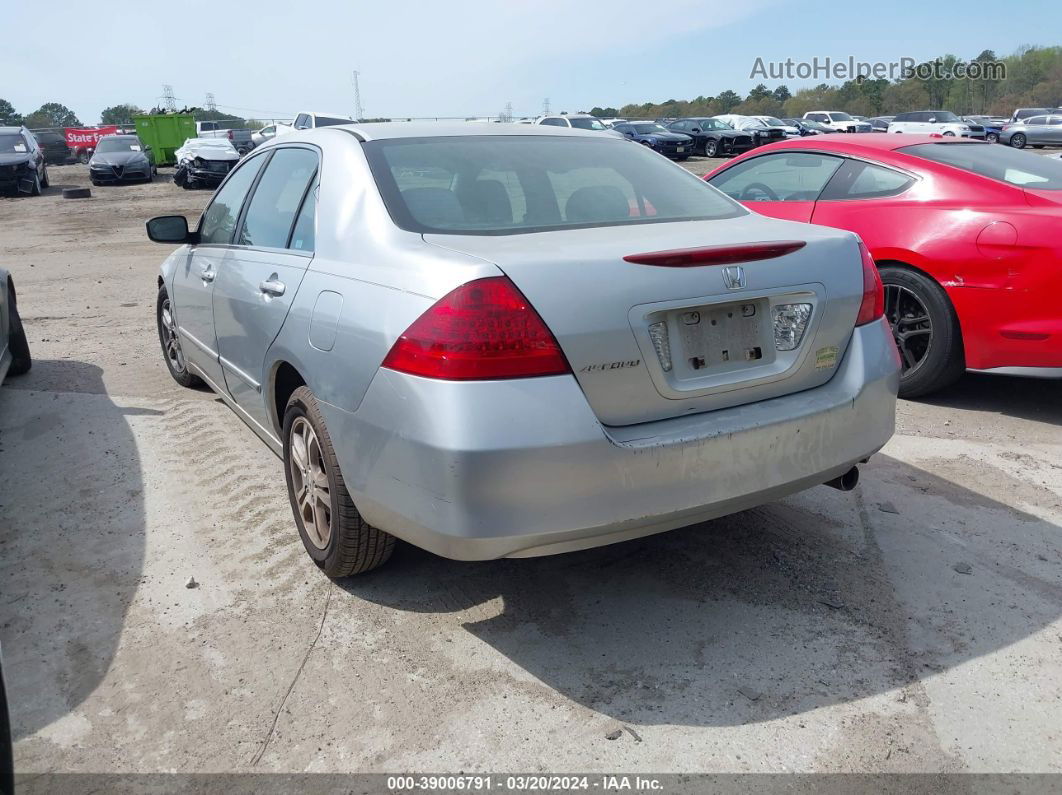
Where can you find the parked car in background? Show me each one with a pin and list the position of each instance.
(579, 121)
(1024, 113)
(993, 127)
(657, 137)
(392, 314)
(712, 137)
(791, 130)
(241, 138)
(22, 165)
(839, 120)
(311, 120)
(1036, 131)
(259, 137)
(14, 348)
(53, 145)
(204, 162)
(935, 121)
(760, 132)
(965, 235)
(880, 123)
(809, 127)
(121, 158)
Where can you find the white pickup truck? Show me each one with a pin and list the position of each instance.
(310, 120)
(839, 120)
(240, 138)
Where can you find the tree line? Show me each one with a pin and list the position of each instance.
(1033, 79)
(55, 114)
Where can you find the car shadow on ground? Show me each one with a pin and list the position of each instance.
(824, 598)
(1038, 399)
(67, 582)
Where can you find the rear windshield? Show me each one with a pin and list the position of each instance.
(587, 124)
(328, 121)
(1001, 163)
(841, 117)
(512, 184)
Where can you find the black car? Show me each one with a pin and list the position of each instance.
(53, 144)
(713, 138)
(809, 127)
(658, 138)
(120, 158)
(880, 123)
(22, 166)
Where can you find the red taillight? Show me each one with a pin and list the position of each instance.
(482, 330)
(716, 255)
(873, 305)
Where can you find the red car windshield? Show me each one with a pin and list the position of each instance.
(1001, 163)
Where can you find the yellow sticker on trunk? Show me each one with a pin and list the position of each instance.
(826, 357)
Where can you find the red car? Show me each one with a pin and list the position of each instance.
(967, 237)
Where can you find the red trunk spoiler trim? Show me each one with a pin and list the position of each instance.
(716, 255)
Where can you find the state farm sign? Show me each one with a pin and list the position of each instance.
(79, 138)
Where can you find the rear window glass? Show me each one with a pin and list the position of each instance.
(1001, 163)
(329, 121)
(515, 184)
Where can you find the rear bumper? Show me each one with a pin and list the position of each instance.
(476, 471)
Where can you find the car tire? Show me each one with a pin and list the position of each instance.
(346, 544)
(949, 134)
(711, 148)
(21, 361)
(36, 189)
(1018, 140)
(992, 138)
(931, 350)
(45, 182)
(83, 157)
(170, 341)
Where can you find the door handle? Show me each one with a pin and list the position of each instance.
(272, 287)
(207, 273)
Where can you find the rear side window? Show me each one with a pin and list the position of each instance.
(858, 180)
(271, 212)
(1036, 120)
(786, 176)
(331, 121)
(1001, 163)
(219, 220)
(510, 184)
(554, 122)
(303, 236)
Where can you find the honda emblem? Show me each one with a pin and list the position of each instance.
(734, 277)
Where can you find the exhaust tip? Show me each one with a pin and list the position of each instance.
(845, 482)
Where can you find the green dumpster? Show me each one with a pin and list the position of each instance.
(165, 133)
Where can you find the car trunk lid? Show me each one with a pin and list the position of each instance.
(652, 341)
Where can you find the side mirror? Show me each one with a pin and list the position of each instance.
(932, 119)
(169, 229)
(629, 134)
(695, 129)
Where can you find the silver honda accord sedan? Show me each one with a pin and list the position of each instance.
(511, 340)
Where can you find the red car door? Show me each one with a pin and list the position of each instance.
(781, 184)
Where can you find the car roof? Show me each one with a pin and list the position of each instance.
(387, 131)
(10, 129)
(864, 142)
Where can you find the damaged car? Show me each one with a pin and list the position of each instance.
(204, 162)
(121, 158)
(22, 166)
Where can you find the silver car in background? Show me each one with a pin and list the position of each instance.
(515, 340)
(1038, 131)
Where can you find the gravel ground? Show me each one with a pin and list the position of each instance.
(914, 624)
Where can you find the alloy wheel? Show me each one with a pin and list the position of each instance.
(170, 341)
(309, 482)
(911, 325)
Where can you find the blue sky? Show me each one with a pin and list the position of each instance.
(467, 57)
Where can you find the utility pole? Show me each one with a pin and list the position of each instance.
(359, 113)
(168, 99)
(508, 111)
(545, 106)
(210, 103)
